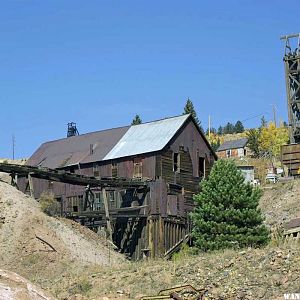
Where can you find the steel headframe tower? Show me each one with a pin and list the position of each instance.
(72, 129)
(292, 78)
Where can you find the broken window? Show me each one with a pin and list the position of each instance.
(98, 204)
(137, 167)
(201, 167)
(176, 162)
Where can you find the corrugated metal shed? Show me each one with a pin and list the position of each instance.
(235, 144)
(147, 137)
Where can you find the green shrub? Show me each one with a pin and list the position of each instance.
(185, 252)
(49, 204)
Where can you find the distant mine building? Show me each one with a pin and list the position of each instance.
(168, 157)
(233, 149)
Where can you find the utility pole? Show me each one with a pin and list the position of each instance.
(274, 114)
(209, 127)
(13, 146)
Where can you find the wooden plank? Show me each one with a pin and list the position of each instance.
(30, 183)
(108, 224)
(150, 237)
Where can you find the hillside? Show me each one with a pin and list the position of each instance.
(40, 247)
(82, 263)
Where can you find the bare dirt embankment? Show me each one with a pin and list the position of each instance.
(281, 202)
(45, 249)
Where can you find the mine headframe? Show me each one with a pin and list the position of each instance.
(292, 78)
(72, 129)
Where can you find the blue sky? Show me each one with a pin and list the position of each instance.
(98, 63)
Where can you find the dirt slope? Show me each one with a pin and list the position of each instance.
(81, 263)
(281, 202)
(43, 248)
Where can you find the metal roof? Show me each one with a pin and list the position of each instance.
(76, 149)
(107, 144)
(235, 144)
(146, 137)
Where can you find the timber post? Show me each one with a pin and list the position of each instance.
(30, 183)
(106, 207)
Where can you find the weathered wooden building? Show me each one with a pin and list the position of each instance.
(234, 148)
(170, 156)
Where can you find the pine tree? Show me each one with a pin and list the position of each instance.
(253, 136)
(137, 120)
(189, 109)
(228, 128)
(263, 122)
(239, 127)
(220, 130)
(226, 213)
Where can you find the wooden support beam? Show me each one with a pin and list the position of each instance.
(30, 183)
(150, 236)
(161, 240)
(106, 207)
(71, 178)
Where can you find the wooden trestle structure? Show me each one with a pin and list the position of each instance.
(136, 231)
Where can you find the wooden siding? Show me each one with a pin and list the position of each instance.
(164, 221)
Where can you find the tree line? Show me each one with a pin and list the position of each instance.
(189, 108)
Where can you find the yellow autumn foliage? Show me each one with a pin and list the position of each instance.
(272, 138)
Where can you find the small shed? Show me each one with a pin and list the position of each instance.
(248, 173)
(234, 148)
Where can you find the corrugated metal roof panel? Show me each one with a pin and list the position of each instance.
(146, 137)
(235, 144)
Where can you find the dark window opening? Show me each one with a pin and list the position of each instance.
(245, 152)
(75, 208)
(201, 167)
(72, 169)
(228, 153)
(176, 162)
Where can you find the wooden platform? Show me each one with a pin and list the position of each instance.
(290, 157)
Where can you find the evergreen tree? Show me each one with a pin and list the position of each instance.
(253, 136)
(228, 128)
(263, 122)
(226, 213)
(189, 109)
(239, 127)
(137, 120)
(220, 130)
(213, 130)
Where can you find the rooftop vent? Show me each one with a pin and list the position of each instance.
(72, 129)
